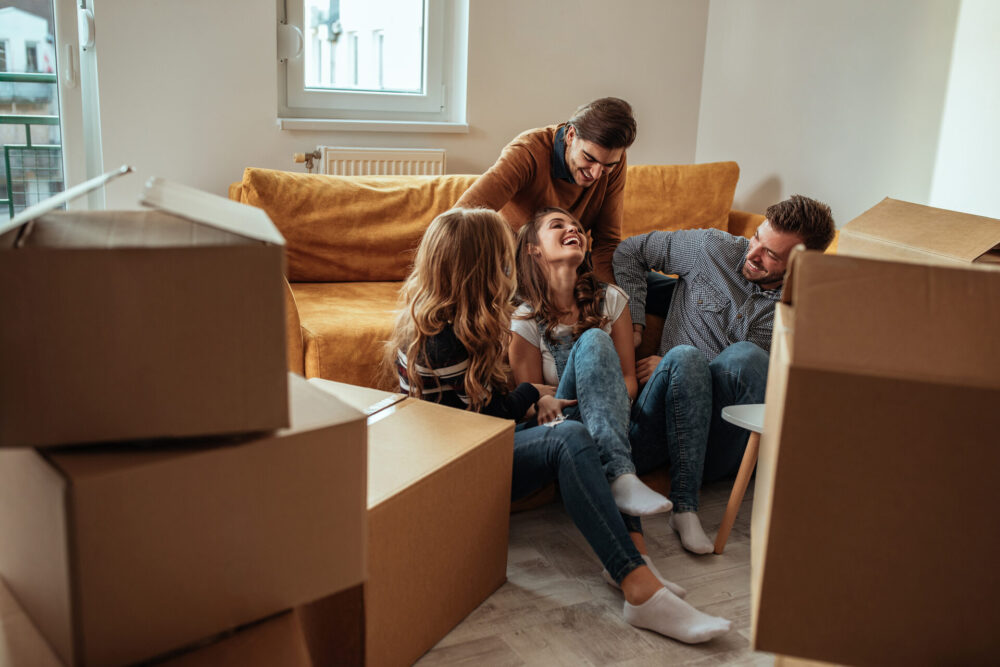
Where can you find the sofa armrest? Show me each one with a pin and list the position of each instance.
(742, 223)
(293, 333)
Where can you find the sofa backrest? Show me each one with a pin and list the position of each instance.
(366, 228)
(350, 228)
(678, 196)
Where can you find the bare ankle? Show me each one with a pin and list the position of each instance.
(639, 585)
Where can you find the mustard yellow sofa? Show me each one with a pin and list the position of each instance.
(350, 243)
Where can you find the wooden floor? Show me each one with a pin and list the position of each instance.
(555, 608)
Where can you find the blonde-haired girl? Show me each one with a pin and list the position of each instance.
(448, 347)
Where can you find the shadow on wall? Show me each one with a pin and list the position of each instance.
(766, 193)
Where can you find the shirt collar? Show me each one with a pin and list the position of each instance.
(559, 167)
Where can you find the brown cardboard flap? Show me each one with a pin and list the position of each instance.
(860, 315)
(893, 228)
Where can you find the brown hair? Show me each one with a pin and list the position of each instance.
(533, 287)
(462, 276)
(808, 218)
(607, 122)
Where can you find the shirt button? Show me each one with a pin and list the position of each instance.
(739, 317)
(699, 302)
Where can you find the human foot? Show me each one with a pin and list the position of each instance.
(692, 535)
(677, 590)
(667, 614)
(633, 497)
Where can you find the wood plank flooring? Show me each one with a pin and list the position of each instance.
(555, 608)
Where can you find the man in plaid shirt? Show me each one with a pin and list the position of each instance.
(715, 344)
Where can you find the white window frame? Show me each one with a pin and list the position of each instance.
(441, 108)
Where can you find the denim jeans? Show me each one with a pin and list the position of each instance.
(566, 453)
(678, 416)
(591, 372)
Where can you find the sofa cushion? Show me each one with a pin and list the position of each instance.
(350, 228)
(344, 328)
(686, 196)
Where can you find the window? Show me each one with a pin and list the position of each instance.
(374, 61)
(3, 55)
(31, 56)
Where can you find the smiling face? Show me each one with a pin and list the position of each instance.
(560, 238)
(586, 160)
(767, 257)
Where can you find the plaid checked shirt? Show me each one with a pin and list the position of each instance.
(713, 305)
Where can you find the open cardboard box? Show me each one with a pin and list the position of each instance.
(126, 325)
(122, 553)
(874, 528)
(901, 231)
(438, 521)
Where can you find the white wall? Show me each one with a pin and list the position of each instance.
(841, 101)
(967, 172)
(188, 89)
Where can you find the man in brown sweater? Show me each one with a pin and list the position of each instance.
(578, 165)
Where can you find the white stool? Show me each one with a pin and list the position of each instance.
(750, 417)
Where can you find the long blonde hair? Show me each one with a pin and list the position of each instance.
(533, 284)
(463, 276)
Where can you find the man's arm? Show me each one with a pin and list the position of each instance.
(514, 169)
(606, 229)
(667, 252)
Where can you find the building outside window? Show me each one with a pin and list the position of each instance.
(377, 59)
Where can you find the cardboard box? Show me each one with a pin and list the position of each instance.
(874, 531)
(273, 642)
(121, 553)
(123, 325)
(901, 231)
(438, 520)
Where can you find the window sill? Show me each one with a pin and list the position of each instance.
(334, 125)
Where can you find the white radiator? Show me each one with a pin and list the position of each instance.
(376, 161)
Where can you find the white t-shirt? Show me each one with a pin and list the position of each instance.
(615, 301)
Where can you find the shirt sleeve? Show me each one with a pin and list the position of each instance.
(513, 170)
(668, 252)
(513, 405)
(606, 229)
(525, 327)
(615, 301)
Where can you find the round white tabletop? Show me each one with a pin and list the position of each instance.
(748, 416)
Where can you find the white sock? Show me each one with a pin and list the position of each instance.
(693, 536)
(633, 497)
(676, 589)
(669, 615)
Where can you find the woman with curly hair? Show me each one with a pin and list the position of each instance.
(575, 332)
(448, 345)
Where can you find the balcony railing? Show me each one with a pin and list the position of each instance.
(32, 171)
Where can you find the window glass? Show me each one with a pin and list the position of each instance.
(374, 59)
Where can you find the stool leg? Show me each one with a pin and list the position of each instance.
(739, 488)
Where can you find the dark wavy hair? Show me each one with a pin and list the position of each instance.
(607, 122)
(533, 286)
(808, 218)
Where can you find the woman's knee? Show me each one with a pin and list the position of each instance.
(595, 338)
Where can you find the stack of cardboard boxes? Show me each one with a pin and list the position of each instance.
(166, 487)
(169, 492)
(874, 535)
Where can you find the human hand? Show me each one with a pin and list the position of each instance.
(550, 408)
(644, 368)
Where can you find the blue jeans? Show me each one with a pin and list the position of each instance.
(591, 373)
(678, 416)
(566, 453)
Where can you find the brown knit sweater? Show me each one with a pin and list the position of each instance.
(521, 182)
